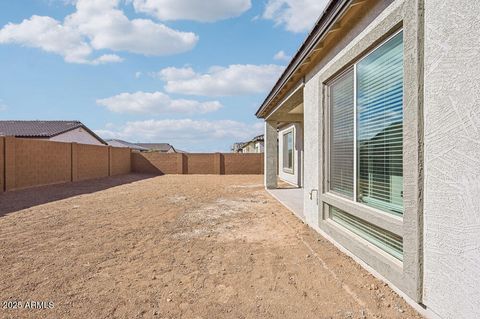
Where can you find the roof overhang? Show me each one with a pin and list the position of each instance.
(328, 23)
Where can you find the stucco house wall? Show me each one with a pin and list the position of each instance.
(440, 226)
(78, 135)
(295, 177)
(380, 21)
(452, 166)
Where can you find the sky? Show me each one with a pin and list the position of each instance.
(187, 72)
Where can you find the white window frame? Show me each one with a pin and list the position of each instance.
(288, 170)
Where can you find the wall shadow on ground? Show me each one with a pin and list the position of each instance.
(17, 200)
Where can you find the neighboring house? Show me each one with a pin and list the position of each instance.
(121, 143)
(255, 145)
(380, 106)
(57, 131)
(237, 147)
(158, 147)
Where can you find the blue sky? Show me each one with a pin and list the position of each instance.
(187, 72)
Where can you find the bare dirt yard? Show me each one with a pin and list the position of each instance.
(174, 247)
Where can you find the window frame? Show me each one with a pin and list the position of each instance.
(288, 170)
(390, 222)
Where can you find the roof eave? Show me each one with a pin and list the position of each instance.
(325, 21)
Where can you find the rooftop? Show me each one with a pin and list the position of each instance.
(41, 129)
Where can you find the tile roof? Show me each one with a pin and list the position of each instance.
(44, 129)
(122, 143)
(162, 147)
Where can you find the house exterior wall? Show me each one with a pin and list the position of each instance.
(78, 135)
(441, 171)
(253, 147)
(295, 177)
(380, 20)
(452, 167)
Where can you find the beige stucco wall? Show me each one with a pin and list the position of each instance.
(78, 135)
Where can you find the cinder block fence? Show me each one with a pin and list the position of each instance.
(26, 162)
(197, 163)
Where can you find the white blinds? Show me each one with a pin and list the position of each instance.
(379, 127)
(342, 135)
(383, 239)
(375, 109)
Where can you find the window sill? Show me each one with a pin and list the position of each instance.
(384, 220)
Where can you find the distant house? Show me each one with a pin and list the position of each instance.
(237, 147)
(158, 147)
(255, 145)
(121, 143)
(57, 131)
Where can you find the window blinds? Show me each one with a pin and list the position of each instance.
(379, 127)
(342, 135)
(383, 239)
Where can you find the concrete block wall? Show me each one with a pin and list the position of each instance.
(120, 162)
(40, 162)
(92, 161)
(242, 164)
(202, 163)
(199, 163)
(27, 163)
(156, 163)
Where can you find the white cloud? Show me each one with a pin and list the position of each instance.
(97, 25)
(195, 10)
(174, 74)
(138, 75)
(294, 15)
(235, 79)
(155, 103)
(194, 134)
(281, 56)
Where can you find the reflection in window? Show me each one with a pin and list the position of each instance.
(288, 151)
(379, 128)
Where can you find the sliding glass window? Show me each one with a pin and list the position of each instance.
(366, 136)
(366, 141)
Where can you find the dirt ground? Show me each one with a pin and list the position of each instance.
(175, 247)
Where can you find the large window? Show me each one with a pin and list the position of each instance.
(366, 137)
(288, 151)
